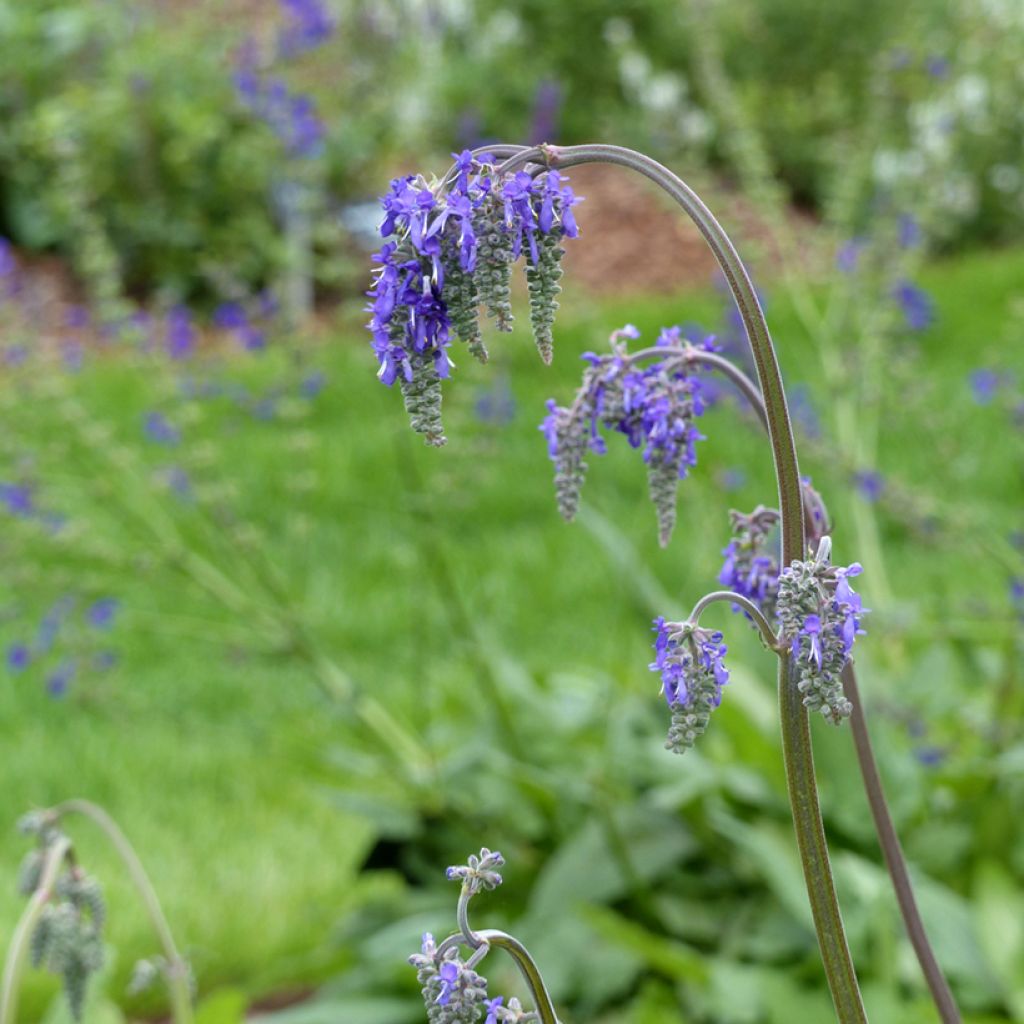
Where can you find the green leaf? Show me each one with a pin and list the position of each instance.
(999, 916)
(670, 957)
(222, 1006)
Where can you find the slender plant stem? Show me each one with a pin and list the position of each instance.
(691, 354)
(893, 854)
(796, 736)
(177, 969)
(17, 955)
(764, 626)
(489, 939)
(528, 968)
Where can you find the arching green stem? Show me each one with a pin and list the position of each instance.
(796, 737)
(771, 641)
(893, 853)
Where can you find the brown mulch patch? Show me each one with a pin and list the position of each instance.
(635, 241)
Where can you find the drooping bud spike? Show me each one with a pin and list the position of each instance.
(422, 397)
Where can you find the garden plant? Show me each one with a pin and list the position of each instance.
(450, 245)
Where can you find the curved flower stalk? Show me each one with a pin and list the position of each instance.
(62, 926)
(454, 992)
(804, 608)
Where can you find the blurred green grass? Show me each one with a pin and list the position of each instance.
(212, 757)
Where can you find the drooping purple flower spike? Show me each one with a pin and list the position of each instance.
(447, 251)
(820, 614)
(690, 662)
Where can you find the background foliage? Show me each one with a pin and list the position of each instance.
(308, 664)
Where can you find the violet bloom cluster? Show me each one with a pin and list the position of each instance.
(449, 248)
(751, 567)
(654, 407)
(690, 662)
(453, 991)
(820, 616)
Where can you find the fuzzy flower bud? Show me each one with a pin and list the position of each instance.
(693, 673)
(751, 569)
(495, 259)
(453, 993)
(820, 616)
(479, 872)
(422, 394)
(654, 407)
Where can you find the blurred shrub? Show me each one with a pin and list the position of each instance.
(109, 112)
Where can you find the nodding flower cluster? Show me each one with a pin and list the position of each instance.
(751, 567)
(653, 406)
(820, 617)
(453, 991)
(692, 676)
(68, 938)
(449, 247)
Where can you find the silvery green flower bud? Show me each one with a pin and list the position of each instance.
(542, 280)
(422, 397)
(820, 617)
(494, 262)
(462, 297)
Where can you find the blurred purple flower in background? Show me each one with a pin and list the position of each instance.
(101, 613)
(309, 25)
(312, 384)
(908, 231)
(916, 304)
(848, 255)
(17, 498)
(870, 483)
(18, 657)
(984, 385)
(496, 404)
(59, 680)
(180, 339)
(160, 430)
(547, 109)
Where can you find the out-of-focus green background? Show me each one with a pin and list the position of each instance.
(307, 663)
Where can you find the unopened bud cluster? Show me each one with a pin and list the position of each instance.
(478, 873)
(820, 617)
(454, 992)
(751, 566)
(654, 406)
(690, 661)
(449, 247)
(68, 938)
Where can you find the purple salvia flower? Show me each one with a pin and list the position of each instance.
(908, 231)
(160, 430)
(180, 337)
(309, 25)
(547, 107)
(985, 384)
(17, 498)
(60, 679)
(101, 613)
(915, 303)
(870, 483)
(848, 255)
(820, 614)
(690, 662)
(19, 657)
(492, 1007)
